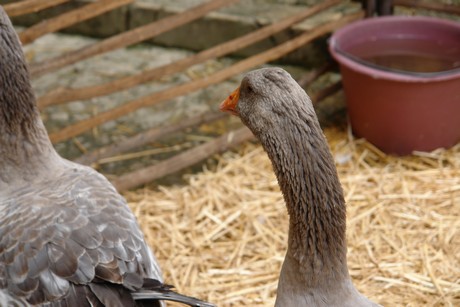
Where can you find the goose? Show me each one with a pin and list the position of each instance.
(280, 114)
(6, 300)
(67, 238)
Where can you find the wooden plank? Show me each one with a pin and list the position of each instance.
(146, 137)
(29, 6)
(182, 160)
(326, 92)
(128, 38)
(61, 95)
(186, 88)
(432, 5)
(311, 77)
(69, 18)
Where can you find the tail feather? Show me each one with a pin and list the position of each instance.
(153, 289)
(169, 295)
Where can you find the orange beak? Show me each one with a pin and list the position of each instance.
(229, 104)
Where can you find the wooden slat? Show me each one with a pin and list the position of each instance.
(432, 5)
(145, 137)
(29, 6)
(128, 38)
(182, 89)
(326, 92)
(66, 95)
(313, 75)
(69, 18)
(182, 160)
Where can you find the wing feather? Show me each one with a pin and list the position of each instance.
(37, 264)
(28, 286)
(52, 285)
(62, 261)
(6, 299)
(87, 237)
(85, 272)
(57, 243)
(17, 270)
(109, 297)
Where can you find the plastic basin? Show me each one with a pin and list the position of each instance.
(400, 111)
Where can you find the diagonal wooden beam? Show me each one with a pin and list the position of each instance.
(145, 137)
(29, 6)
(64, 20)
(430, 5)
(186, 88)
(182, 160)
(66, 95)
(128, 38)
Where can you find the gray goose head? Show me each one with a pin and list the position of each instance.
(280, 114)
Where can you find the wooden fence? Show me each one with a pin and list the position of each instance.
(148, 31)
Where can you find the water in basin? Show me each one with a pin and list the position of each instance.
(409, 55)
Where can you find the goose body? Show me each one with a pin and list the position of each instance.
(280, 114)
(6, 300)
(67, 238)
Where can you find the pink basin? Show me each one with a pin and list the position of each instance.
(397, 109)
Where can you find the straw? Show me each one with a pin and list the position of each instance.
(222, 237)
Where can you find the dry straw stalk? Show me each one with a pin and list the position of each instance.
(223, 236)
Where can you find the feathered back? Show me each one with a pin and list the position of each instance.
(67, 238)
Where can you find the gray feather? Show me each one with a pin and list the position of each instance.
(67, 238)
(7, 300)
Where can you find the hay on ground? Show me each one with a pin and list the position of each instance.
(223, 236)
